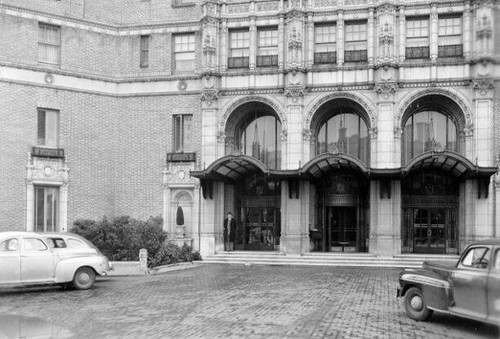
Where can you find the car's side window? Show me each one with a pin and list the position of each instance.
(477, 257)
(497, 260)
(75, 243)
(57, 243)
(32, 244)
(9, 245)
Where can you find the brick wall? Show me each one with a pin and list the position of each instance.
(115, 149)
(124, 12)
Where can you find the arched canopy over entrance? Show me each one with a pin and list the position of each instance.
(447, 162)
(231, 169)
(327, 163)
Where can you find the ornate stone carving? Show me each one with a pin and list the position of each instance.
(484, 27)
(209, 45)
(239, 8)
(47, 170)
(233, 106)
(307, 135)
(283, 135)
(325, 3)
(469, 130)
(373, 131)
(294, 91)
(267, 6)
(294, 4)
(221, 137)
(483, 86)
(386, 89)
(177, 173)
(398, 132)
(209, 96)
(294, 42)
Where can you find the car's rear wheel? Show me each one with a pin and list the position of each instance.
(84, 278)
(415, 305)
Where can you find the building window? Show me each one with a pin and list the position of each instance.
(417, 38)
(325, 49)
(267, 49)
(184, 52)
(429, 131)
(144, 57)
(48, 128)
(239, 49)
(355, 42)
(46, 209)
(259, 136)
(344, 133)
(450, 37)
(49, 44)
(183, 133)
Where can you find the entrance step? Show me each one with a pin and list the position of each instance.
(323, 259)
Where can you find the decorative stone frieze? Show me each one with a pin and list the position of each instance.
(294, 91)
(267, 6)
(178, 173)
(324, 3)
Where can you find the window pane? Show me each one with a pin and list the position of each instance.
(49, 41)
(184, 52)
(51, 128)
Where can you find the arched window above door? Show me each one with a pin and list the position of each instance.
(344, 133)
(429, 130)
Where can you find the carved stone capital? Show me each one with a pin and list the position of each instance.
(373, 131)
(386, 89)
(294, 91)
(209, 96)
(469, 130)
(307, 135)
(398, 132)
(483, 86)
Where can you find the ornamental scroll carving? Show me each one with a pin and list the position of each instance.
(209, 51)
(209, 96)
(386, 89)
(325, 3)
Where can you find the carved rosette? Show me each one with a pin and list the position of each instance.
(483, 86)
(209, 96)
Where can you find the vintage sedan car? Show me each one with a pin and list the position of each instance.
(70, 244)
(469, 288)
(27, 259)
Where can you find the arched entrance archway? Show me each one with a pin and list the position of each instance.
(340, 130)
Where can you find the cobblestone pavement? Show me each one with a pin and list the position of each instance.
(230, 301)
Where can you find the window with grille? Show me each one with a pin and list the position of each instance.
(49, 44)
(325, 48)
(144, 58)
(46, 209)
(239, 49)
(184, 52)
(267, 49)
(417, 38)
(450, 37)
(355, 42)
(183, 133)
(48, 128)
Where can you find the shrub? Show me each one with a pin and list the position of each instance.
(170, 253)
(123, 237)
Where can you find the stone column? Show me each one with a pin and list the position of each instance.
(340, 39)
(281, 50)
(310, 41)
(371, 37)
(467, 27)
(63, 207)
(433, 43)
(292, 234)
(253, 43)
(196, 217)
(402, 35)
(224, 36)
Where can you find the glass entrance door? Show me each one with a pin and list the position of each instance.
(429, 230)
(260, 228)
(341, 229)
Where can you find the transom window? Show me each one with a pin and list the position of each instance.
(450, 37)
(183, 133)
(239, 49)
(344, 133)
(267, 52)
(49, 44)
(427, 131)
(48, 128)
(184, 52)
(417, 38)
(259, 137)
(46, 209)
(325, 49)
(355, 42)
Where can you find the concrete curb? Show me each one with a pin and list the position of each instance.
(173, 267)
(129, 268)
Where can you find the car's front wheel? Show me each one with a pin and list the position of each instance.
(415, 305)
(84, 278)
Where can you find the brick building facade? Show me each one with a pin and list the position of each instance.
(323, 125)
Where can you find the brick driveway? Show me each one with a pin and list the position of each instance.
(229, 301)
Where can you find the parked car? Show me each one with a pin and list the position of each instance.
(26, 258)
(469, 288)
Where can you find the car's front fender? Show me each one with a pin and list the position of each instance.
(436, 290)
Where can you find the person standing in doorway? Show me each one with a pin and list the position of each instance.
(229, 232)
